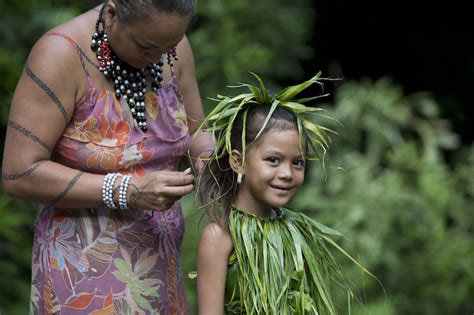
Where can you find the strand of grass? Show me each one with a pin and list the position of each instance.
(244, 127)
(267, 118)
(262, 87)
(228, 145)
(312, 98)
(291, 91)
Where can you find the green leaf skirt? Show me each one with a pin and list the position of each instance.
(282, 265)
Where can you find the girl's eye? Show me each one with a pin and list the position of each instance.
(298, 163)
(273, 160)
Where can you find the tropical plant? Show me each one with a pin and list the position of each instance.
(232, 38)
(390, 189)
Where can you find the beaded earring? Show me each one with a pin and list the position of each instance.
(172, 55)
(239, 178)
(129, 82)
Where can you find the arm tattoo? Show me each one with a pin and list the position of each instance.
(48, 91)
(136, 194)
(68, 188)
(28, 134)
(21, 175)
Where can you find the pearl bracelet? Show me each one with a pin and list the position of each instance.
(123, 192)
(107, 190)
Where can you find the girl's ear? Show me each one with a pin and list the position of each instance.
(235, 161)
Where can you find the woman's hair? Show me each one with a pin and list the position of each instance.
(217, 186)
(133, 10)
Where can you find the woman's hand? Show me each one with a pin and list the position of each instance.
(159, 190)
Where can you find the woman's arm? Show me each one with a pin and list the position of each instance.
(202, 144)
(215, 246)
(42, 106)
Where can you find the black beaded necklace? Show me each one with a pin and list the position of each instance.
(129, 82)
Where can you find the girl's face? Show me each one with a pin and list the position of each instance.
(143, 42)
(273, 172)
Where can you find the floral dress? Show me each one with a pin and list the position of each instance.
(100, 261)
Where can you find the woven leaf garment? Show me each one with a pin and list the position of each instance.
(281, 265)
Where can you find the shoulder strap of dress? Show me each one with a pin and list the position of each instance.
(81, 54)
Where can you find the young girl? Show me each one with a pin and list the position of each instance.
(255, 256)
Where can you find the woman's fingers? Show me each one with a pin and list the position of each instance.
(160, 190)
(177, 191)
(174, 178)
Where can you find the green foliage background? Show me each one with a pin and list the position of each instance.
(388, 184)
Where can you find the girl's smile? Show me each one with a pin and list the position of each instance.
(282, 189)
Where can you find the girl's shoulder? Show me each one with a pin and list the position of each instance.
(215, 237)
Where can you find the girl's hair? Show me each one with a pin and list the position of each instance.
(129, 11)
(217, 186)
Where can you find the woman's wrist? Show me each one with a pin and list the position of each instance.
(123, 189)
(115, 191)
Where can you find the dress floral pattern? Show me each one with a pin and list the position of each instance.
(100, 261)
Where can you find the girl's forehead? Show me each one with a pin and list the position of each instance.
(281, 140)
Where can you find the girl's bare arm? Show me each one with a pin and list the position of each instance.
(215, 246)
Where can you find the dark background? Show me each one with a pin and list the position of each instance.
(422, 46)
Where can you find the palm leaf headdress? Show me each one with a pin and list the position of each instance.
(221, 119)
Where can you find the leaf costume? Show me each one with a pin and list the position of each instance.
(281, 265)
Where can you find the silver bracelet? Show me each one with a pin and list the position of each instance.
(123, 192)
(107, 190)
(105, 187)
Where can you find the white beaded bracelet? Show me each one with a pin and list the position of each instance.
(105, 187)
(111, 190)
(107, 190)
(123, 192)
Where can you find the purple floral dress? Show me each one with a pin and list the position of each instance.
(100, 261)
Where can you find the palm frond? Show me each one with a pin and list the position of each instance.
(221, 119)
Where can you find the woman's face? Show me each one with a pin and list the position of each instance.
(143, 41)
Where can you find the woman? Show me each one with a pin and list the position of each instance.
(100, 119)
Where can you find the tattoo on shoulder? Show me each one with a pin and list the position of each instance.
(68, 188)
(48, 91)
(83, 55)
(28, 134)
(21, 175)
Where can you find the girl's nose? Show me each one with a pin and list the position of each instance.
(285, 172)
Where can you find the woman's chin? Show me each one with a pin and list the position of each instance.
(138, 65)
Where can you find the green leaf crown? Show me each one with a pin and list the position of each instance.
(221, 119)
